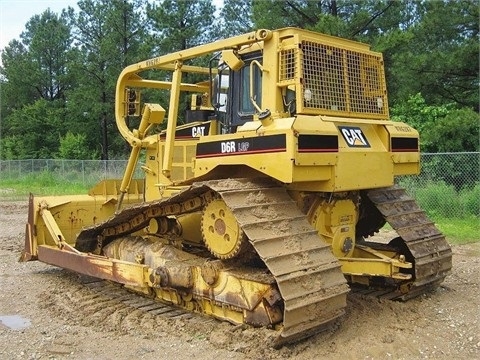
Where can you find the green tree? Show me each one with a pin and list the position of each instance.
(177, 25)
(272, 14)
(180, 24)
(457, 131)
(442, 128)
(429, 47)
(417, 113)
(16, 88)
(109, 36)
(235, 18)
(74, 146)
(35, 79)
(47, 37)
(345, 18)
(39, 63)
(439, 54)
(33, 131)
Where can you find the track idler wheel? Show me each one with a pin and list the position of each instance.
(221, 232)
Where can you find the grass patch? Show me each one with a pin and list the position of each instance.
(455, 212)
(438, 200)
(441, 200)
(460, 231)
(40, 184)
(457, 231)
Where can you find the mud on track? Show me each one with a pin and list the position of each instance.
(72, 317)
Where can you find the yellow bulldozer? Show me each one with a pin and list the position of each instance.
(258, 201)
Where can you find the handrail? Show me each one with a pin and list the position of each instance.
(130, 73)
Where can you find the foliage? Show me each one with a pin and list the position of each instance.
(442, 128)
(471, 199)
(441, 200)
(438, 199)
(440, 59)
(178, 25)
(457, 131)
(39, 63)
(73, 146)
(235, 18)
(448, 171)
(18, 90)
(108, 35)
(329, 17)
(64, 66)
(417, 113)
(33, 131)
(430, 47)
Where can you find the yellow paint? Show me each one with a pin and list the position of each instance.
(313, 85)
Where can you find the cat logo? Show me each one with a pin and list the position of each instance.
(198, 131)
(354, 136)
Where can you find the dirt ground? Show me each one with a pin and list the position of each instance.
(48, 313)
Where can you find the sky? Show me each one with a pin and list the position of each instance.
(14, 14)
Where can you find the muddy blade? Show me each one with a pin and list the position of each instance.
(27, 252)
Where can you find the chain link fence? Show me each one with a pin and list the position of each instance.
(448, 185)
(87, 172)
(20, 177)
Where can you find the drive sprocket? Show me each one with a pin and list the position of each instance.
(221, 232)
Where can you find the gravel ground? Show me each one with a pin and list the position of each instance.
(48, 313)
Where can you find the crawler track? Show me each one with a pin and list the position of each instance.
(109, 306)
(425, 246)
(115, 293)
(308, 276)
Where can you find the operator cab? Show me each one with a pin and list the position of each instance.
(231, 96)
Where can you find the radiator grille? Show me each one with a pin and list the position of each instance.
(336, 80)
(287, 65)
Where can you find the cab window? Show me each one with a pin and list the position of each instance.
(246, 106)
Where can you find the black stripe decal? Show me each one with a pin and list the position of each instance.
(317, 143)
(252, 145)
(403, 144)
